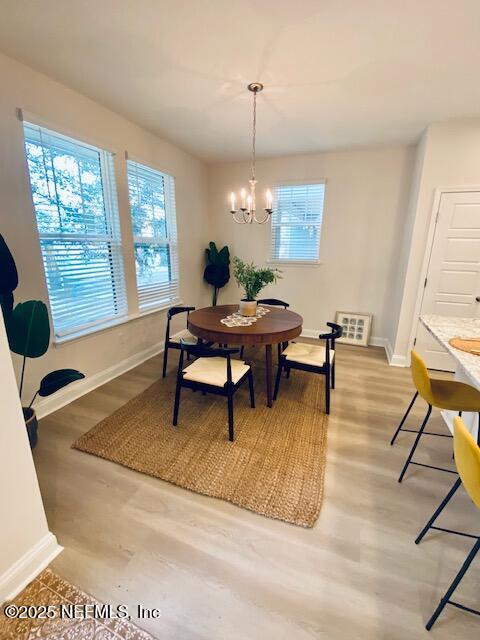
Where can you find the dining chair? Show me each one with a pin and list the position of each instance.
(273, 302)
(467, 461)
(449, 395)
(213, 371)
(174, 343)
(312, 358)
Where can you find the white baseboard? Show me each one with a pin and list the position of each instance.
(28, 567)
(395, 360)
(78, 389)
(374, 341)
(310, 333)
(398, 361)
(388, 350)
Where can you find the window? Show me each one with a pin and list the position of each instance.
(73, 190)
(152, 204)
(297, 222)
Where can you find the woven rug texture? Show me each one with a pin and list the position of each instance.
(275, 467)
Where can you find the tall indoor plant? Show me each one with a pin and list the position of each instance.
(217, 271)
(252, 280)
(28, 331)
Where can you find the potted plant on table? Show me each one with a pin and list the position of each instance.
(252, 280)
(28, 331)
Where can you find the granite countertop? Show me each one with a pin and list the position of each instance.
(443, 329)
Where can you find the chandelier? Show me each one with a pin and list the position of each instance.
(247, 211)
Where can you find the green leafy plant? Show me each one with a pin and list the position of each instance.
(8, 278)
(28, 328)
(252, 279)
(217, 271)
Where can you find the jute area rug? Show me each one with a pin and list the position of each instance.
(49, 593)
(275, 467)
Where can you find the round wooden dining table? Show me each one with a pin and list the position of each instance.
(279, 325)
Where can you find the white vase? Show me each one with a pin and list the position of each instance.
(247, 307)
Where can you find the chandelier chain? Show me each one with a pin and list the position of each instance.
(254, 132)
(248, 209)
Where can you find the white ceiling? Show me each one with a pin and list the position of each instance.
(338, 73)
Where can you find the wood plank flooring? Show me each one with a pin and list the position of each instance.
(219, 572)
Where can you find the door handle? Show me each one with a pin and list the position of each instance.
(477, 299)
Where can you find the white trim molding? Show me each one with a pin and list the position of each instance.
(28, 567)
(398, 360)
(394, 360)
(79, 389)
(311, 333)
(374, 341)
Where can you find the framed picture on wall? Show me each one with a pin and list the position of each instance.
(356, 327)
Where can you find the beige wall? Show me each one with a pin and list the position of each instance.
(25, 542)
(450, 158)
(377, 210)
(400, 262)
(365, 206)
(69, 112)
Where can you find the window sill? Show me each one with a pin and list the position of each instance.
(59, 341)
(162, 307)
(295, 263)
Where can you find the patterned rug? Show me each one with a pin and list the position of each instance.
(49, 593)
(275, 467)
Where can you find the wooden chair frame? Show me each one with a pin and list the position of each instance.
(169, 344)
(229, 388)
(273, 302)
(326, 369)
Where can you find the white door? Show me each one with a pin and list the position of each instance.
(452, 287)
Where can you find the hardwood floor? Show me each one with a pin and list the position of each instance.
(219, 572)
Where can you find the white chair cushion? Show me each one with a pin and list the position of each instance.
(307, 354)
(214, 371)
(184, 335)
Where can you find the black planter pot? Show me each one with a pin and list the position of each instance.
(31, 423)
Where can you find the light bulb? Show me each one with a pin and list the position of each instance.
(243, 195)
(269, 199)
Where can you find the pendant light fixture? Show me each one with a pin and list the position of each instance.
(247, 212)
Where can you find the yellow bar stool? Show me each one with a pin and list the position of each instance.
(467, 459)
(449, 395)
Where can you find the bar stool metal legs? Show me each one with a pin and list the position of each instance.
(438, 511)
(467, 461)
(415, 444)
(412, 402)
(419, 433)
(430, 525)
(449, 593)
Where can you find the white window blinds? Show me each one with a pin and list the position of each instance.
(74, 196)
(297, 222)
(152, 205)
